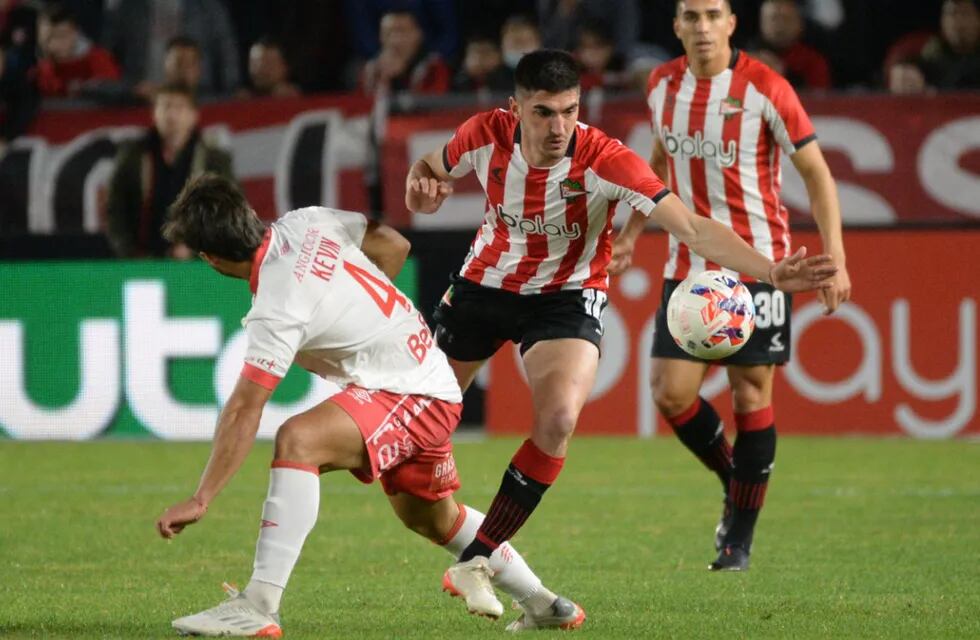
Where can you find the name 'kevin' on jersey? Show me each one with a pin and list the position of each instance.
(546, 229)
(723, 136)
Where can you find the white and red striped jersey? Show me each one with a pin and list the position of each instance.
(546, 229)
(723, 136)
(320, 302)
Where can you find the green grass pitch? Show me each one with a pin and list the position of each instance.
(860, 538)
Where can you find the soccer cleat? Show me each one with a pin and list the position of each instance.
(563, 614)
(236, 616)
(471, 581)
(732, 558)
(724, 523)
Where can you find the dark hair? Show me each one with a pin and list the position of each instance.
(183, 42)
(731, 6)
(551, 70)
(598, 28)
(212, 215)
(57, 13)
(176, 89)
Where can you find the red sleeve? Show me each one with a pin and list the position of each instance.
(790, 124)
(102, 65)
(436, 78)
(260, 377)
(472, 134)
(626, 176)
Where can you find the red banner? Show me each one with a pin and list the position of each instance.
(287, 153)
(901, 358)
(896, 159)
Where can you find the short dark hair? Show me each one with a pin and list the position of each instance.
(212, 215)
(177, 89)
(57, 13)
(183, 42)
(731, 6)
(551, 70)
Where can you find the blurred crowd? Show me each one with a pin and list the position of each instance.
(174, 54)
(119, 51)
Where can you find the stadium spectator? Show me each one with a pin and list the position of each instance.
(483, 67)
(137, 33)
(404, 63)
(150, 171)
(436, 18)
(602, 65)
(759, 117)
(951, 59)
(559, 21)
(518, 37)
(317, 277)
(69, 62)
(780, 32)
(19, 97)
(268, 71)
(536, 271)
(182, 64)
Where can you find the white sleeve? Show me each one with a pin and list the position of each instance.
(272, 345)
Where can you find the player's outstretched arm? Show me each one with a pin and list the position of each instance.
(233, 439)
(428, 184)
(825, 208)
(386, 248)
(716, 242)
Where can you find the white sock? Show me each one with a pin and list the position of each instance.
(511, 573)
(288, 516)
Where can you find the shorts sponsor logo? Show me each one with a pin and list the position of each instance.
(443, 474)
(539, 226)
(776, 342)
(696, 146)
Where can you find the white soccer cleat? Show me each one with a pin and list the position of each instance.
(562, 614)
(471, 581)
(236, 616)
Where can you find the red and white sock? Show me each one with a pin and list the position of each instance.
(288, 516)
(512, 575)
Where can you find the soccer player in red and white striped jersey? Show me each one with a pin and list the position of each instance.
(536, 272)
(721, 120)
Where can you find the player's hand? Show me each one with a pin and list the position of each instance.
(622, 256)
(837, 293)
(799, 273)
(179, 516)
(426, 195)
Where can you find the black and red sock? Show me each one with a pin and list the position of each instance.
(529, 475)
(753, 456)
(701, 431)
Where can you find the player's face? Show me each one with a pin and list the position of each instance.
(704, 27)
(547, 123)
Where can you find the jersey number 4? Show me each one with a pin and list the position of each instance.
(384, 294)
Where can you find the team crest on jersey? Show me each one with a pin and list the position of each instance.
(730, 107)
(571, 189)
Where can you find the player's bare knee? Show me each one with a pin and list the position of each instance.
(293, 441)
(557, 425)
(671, 398)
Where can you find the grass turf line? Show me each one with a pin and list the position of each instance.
(859, 538)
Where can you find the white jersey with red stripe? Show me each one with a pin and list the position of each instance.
(546, 229)
(723, 137)
(320, 302)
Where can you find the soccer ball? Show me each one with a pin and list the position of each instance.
(710, 315)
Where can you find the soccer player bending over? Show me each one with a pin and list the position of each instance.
(720, 121)
(536, 272)
(323, 298)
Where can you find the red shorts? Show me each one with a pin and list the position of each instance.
(407, 439)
